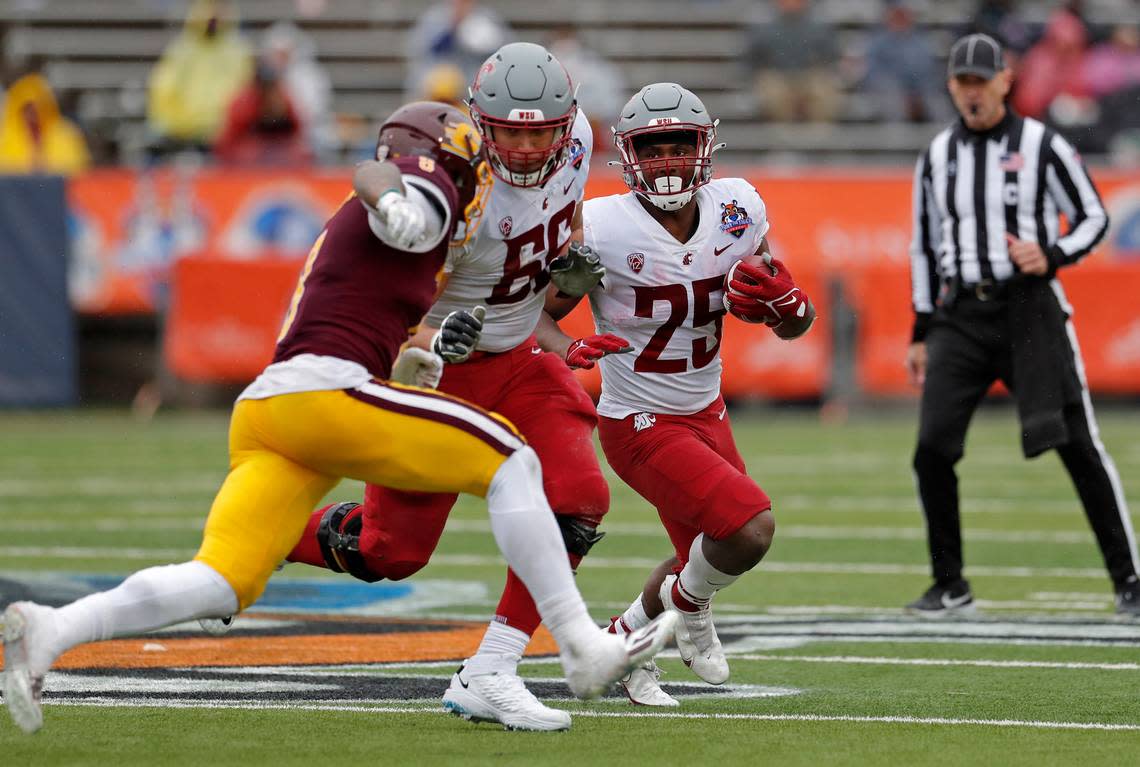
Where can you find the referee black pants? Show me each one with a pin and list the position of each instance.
(968, 348)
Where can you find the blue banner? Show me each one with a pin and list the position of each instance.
(37, 326)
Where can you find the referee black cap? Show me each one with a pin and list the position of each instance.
(976, 54)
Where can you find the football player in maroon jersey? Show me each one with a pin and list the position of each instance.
(324, 410)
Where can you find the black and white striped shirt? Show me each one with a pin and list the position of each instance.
(971, 188)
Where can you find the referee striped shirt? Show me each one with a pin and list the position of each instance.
(970, 188)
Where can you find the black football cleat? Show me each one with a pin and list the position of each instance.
(944, 601)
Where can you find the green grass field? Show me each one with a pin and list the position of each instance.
(1044, 675)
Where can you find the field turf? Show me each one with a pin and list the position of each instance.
(827, 668)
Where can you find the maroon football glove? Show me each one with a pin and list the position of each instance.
(585, 351)
(766, 294)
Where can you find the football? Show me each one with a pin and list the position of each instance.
(750, 315)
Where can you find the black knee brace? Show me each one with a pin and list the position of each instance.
(579, 535)
(339, 537)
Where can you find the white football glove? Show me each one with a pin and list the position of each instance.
(417, 367)
(403, 220)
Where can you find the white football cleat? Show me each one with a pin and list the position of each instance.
(697, 642)
(23, 676)
(217, 627)
(642, 688)
(501, 698)
(593, 666)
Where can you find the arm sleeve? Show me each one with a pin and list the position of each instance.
(760, 216)
(1074, 193)
(923, 248)
(429, 199)
(582, 131)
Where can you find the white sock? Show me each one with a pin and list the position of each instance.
(632, 619)
(148, 600)
(525, 530)
(699, 580)
(500, 651)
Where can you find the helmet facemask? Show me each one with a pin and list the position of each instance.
(675, 179)
(505, 161)
(446, 135)
(473, 183)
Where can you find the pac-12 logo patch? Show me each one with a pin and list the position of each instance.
(734, 218)
(506, 223)
(636, 261)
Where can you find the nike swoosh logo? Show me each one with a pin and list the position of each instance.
(950, 602)
(718, 251)
(566, 188)
(721, 417)
(788, 302)
(536, 350)
(462, 683)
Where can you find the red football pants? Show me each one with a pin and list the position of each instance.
(541, 397)
(688, 467)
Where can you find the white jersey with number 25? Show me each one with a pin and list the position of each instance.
(666, 297)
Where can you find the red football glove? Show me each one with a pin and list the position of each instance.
(585, 351)
(763, 294)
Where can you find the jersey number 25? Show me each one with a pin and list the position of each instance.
(649, 361)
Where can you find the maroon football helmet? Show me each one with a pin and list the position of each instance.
(446, 135)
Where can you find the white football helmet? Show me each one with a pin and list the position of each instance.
(652, 116)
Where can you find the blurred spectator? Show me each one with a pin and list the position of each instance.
(999, 19)
(1053, 66)
(262, 127)
(458, 32)
(1110, 75)
(446, 83)
(902, 77)
(197, 76)
(294, 54)
(34, 136)
(602, 88)
(1114, 65)
(793, 64)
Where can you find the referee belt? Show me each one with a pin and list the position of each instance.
(984, 290)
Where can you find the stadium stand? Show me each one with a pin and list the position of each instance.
(98, 56)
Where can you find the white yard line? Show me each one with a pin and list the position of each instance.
(885, 661)
(826, 532)
(110, 485)
(617, 530)
(413, 710)
(603, 563)
(93, 552)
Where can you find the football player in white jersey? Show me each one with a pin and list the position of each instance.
(538, 145)
(667, 246)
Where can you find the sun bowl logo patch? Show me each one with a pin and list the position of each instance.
(506, 223)
(577, 153)
(734, 218)
(636, 261)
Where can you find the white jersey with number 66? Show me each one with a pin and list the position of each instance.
(666, 297)
(507, 265)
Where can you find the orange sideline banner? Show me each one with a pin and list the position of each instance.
(225, 315)
(131, 233)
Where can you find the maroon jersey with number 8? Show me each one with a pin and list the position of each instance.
(358, 297)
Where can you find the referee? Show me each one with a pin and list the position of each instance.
(986, 248)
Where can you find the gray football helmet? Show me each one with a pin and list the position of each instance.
(656, 115)
(522, 86)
